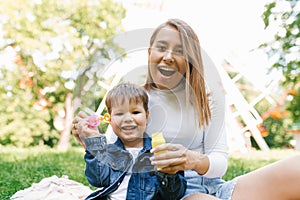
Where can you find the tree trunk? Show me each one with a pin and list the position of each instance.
(64, 140)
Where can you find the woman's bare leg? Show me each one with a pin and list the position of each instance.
(200, 196)
(277, 181)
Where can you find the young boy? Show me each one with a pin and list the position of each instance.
(123, 170)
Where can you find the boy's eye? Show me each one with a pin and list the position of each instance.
(136, 112)
(118, 114)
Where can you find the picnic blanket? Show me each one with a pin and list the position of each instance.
(54, 188)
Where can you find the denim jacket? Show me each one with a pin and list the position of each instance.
(107, 164)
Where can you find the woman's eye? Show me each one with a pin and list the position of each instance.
(179, 51)
(162, 48)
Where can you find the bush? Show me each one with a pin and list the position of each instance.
(277, 136)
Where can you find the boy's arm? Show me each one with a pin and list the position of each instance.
(171, 186)
(96, 173)
(95, 144)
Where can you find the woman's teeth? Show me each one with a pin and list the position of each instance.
(166, 71)
(128, 127)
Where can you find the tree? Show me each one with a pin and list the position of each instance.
(284, 48)
(44, 45)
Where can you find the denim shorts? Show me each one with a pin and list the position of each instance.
(216, 187)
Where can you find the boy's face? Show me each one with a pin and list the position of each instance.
(129, 121)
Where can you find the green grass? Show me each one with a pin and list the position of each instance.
(242, 163)
(22, 167)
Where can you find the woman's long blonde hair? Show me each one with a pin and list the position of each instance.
(195, 75)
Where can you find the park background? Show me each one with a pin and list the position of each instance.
(50, 52)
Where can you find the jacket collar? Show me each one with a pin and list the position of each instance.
(147, 143)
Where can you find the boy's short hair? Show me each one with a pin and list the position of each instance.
(126, 92)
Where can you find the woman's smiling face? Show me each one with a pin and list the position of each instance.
(167, 64)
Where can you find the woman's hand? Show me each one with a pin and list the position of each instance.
(81, 129)
(176, 157)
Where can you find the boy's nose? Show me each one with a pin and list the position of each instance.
(128, 118)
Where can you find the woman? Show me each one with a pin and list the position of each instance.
(191, 121)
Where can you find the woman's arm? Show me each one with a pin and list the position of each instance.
(215, 138)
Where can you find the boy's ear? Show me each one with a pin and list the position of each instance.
(149, 51)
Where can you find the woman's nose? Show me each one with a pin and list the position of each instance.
(168, 57)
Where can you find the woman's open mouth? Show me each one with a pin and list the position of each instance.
(166, 71)
(127, 128)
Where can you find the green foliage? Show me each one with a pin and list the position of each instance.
(294, 105)
(276, 125)
(43, 46)
(284, 48)
(277, 135)
(267, 13)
